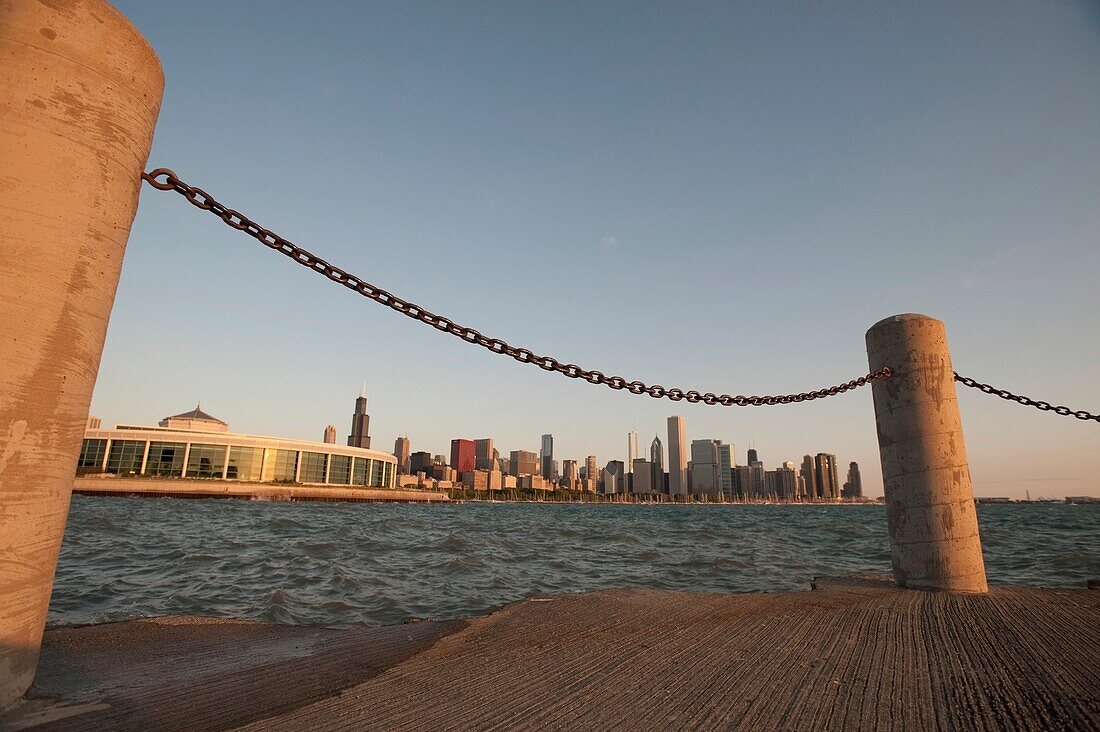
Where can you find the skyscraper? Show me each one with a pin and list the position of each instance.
(786, 482)
(590, 470)
(657, 460)
(657, 453)
(809, 478)
(330, 434)
(463, 456)
(641, 477)
(613, 479)
(756, 479)
(420, 461)
(771, 490)
(705, 474)
(853, 488)
(828, 484)
(752, 456)
(727, 461)
(484, 459)
(742, 482)
(547, 456)
(523, 462)
(401, 452)
(569, 474)
(677, 457)
(631, 450)
(360, 424)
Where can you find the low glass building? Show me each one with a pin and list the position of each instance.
(196, 445)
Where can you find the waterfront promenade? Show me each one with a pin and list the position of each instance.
(181, 488)
(851, 654)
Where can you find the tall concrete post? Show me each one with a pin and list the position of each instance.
(934, 542)
(80, 91)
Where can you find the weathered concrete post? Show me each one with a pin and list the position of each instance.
(934, 542)
(80, 91)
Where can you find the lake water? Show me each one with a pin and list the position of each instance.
(340, 564)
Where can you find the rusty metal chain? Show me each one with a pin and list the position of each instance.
(200, 198)
(1044, 406)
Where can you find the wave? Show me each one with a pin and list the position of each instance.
(344, 564)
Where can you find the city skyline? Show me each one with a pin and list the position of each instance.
(709, 468)
(708, 462)
(467, 455)
(725, 214)
(820, 251)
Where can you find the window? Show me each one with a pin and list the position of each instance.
(125, 457)
(165, 458)
(387, 474)
(244, 463)
(360, 471)
(91, 456)
(376, 474)
(339, 471)
(313, 467)
(285, 465)
(205, 461)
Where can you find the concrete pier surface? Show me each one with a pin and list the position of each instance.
(851, 654)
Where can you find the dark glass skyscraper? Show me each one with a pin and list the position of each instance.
(548, 456)
(853, 488)
(419, 461)
(360, 425)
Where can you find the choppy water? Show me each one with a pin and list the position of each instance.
(340, 564)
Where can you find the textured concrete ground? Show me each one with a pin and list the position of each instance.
(849, 655)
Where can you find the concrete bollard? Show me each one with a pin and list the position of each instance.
(933, 524)
(80, 91)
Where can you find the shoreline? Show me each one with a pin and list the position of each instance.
(220, 489)
(184, 488)
(274, 492)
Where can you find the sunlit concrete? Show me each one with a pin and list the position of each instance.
(934, 541)
(80, 91)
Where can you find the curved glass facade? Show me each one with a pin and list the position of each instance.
(284, 468)
(167, 453)
(165, 458)
(339, 471)
(92, 454)
(245, 463)
(125, 457)
(313, 467)
(206, 461)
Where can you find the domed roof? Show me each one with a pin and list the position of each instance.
(197, 413)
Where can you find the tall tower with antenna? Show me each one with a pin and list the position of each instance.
(360, 422)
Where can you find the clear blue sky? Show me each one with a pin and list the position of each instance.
(721, 196)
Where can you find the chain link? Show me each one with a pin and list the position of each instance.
(201, 199)
(1044, 406)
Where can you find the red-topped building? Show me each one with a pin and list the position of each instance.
(463, 456)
